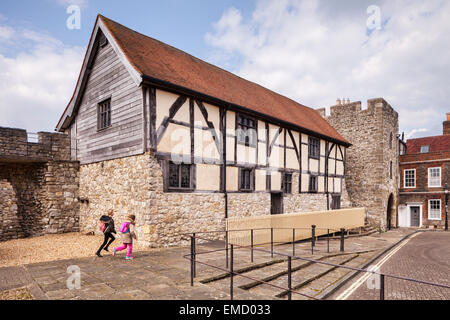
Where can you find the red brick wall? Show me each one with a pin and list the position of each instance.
(422, 193)
(446, 127)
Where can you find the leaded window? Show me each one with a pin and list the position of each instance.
(246, 180)
(246, 131)
(314, 148)
(287, 183)
(313, 183)
(104, 114)
(179, 176)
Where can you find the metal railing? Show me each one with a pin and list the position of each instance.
(230, 261)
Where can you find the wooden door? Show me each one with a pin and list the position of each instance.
(415, 217)
(276, 203)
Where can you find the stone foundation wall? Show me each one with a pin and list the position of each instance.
(59, 197)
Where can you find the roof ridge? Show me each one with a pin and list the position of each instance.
(429, 137)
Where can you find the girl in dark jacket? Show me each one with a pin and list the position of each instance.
(108, 233)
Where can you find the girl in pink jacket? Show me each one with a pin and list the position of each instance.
(128, 234)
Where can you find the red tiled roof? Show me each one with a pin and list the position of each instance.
(158, 60)
(437, 144)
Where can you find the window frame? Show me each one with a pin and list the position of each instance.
(104, 123)
(427, 148)
(312, 147)
(440, 177)
(285, 184)
(440, 210)
(316, 185)
(253, 137)
(404, 179)
(252, 180)
(169, 188)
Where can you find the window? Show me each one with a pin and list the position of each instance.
(246, 131)
(313, 183)
(104, 114)
(410, 178)
(424, 149)
(434, 209)
(335, 202)
(246, 180)
(180, 176)
(391, 137)
(390, 170)
(434, 177)
(314, 148)
(287, 183)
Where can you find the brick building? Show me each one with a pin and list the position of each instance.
(425, 169)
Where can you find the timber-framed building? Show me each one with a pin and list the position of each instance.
(183, 144)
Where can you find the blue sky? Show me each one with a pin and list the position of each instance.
(313, 51)
(179, 23)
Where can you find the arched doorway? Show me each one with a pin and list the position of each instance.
(389, 212)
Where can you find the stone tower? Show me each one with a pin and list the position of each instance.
(372, 167)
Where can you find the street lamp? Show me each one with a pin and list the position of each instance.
(446, 207)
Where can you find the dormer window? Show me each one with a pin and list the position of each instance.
(424, 149)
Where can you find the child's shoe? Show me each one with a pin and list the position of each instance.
(114, 252)
(129, 258)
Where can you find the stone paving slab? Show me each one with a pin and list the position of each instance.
(162, 274)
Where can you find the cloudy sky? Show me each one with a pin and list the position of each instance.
(312, 51)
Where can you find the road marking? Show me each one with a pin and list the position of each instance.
(347, 293)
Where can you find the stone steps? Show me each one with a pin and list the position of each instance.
(304, 276)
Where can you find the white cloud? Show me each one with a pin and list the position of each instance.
(6, 33)
(66, 3)
(314, 52)
(37, 83)
(413, 132)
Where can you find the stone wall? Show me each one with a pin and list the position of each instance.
(9, 220)
(46, 195)
(43, 182)
(367, 175)
(15, 145)
(134, 185)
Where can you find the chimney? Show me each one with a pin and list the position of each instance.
(446, 125)
(338, 102)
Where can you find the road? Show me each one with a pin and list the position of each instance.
(425, 256)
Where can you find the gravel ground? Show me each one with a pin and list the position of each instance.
(52, 247)
(17, 294)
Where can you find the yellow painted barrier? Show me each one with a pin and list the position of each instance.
(282, 225)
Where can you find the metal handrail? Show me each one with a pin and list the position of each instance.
(382, 275)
